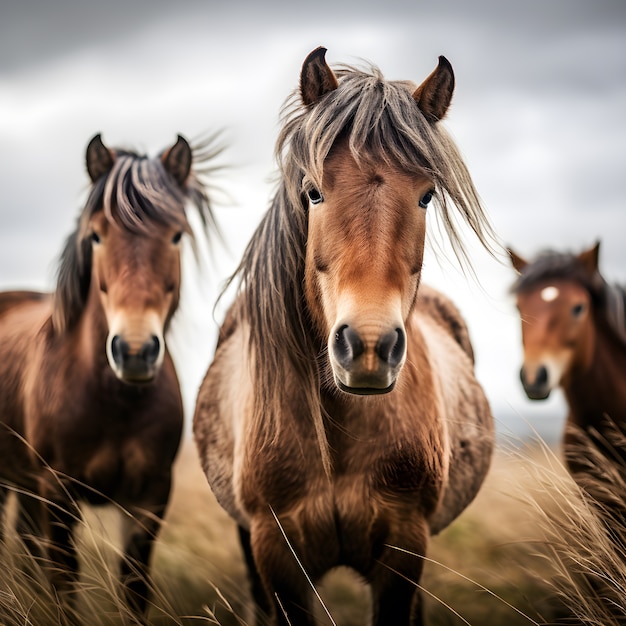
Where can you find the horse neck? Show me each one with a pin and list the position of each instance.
(599, 388)
(89, 335)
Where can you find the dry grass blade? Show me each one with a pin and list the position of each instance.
(529, 536)
(583, 523)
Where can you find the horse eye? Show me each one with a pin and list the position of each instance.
(425, 199)
(95, 238)
(315, 196)
(177, 237)
(577, 310)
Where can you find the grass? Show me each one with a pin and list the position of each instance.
(505, 561)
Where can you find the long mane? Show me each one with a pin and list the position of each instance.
(380, 120)
(137, 194)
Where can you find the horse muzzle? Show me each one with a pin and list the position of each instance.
(364, 366)
(135, 364)
(536, 383)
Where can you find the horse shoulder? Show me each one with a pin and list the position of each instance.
(466, 415)
(441, 309)
(223, 404)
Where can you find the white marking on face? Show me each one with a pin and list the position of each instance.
(548, 294)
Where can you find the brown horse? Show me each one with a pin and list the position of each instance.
(341, 408)
(90, 405)
(574, 337)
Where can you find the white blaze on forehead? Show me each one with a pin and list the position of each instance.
(548, 294)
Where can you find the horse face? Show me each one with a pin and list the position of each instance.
(137, 277)
(556, 334)
(363, 262)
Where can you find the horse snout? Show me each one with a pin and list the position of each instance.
(536, 383)
(150, 350)
(391, 347)
(135, 364)
(348, 346)
(365, 365)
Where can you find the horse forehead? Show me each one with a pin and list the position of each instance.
(128, 251)
(550, 300)
(343, 171)
(146, 234)
(549, 293)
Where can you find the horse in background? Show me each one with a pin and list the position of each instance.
(574, 337)
(90, 406)
(340, 422)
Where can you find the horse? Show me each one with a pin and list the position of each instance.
(574, 337)
(340, 422)
(90, 405)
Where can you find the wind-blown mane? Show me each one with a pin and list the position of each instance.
(137, 194)
(381, 121)
(609, 300)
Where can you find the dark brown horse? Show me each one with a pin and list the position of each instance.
(574, 336)
(341, 408)
(90, 406)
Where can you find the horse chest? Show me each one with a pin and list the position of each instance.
(113, 471)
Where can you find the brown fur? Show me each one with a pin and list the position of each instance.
(581, 332)
(348, 475)
(72, 428)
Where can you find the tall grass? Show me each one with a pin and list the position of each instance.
(584, 527)
(519, 555)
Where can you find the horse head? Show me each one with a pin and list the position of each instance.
(556, 309)
(366, 230)
(134, 232)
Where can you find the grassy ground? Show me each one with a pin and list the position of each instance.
(490, 567)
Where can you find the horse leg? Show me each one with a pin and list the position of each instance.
(395, 580)
(30, 525)
(46, 524)
(281, 574)
(62, 563)
(3, 501)
(259, 595)
(398, 602)
(140, 534)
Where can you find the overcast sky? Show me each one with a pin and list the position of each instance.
(538, 114)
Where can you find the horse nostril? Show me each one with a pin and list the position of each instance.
(348, 345)
(150, 350)
(542, 376)
(119, 349)
(391, 346)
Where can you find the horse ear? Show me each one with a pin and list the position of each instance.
(99, 158)
(433, 96)
(589, 259)
(516, 261)
(177, 160)
(316, 77)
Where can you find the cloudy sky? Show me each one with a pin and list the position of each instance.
(538, 114)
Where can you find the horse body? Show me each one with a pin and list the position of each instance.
(89, 397)
(340, 421)
(74, 408)
(573, 335)
(367, 440)
(405, 464)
